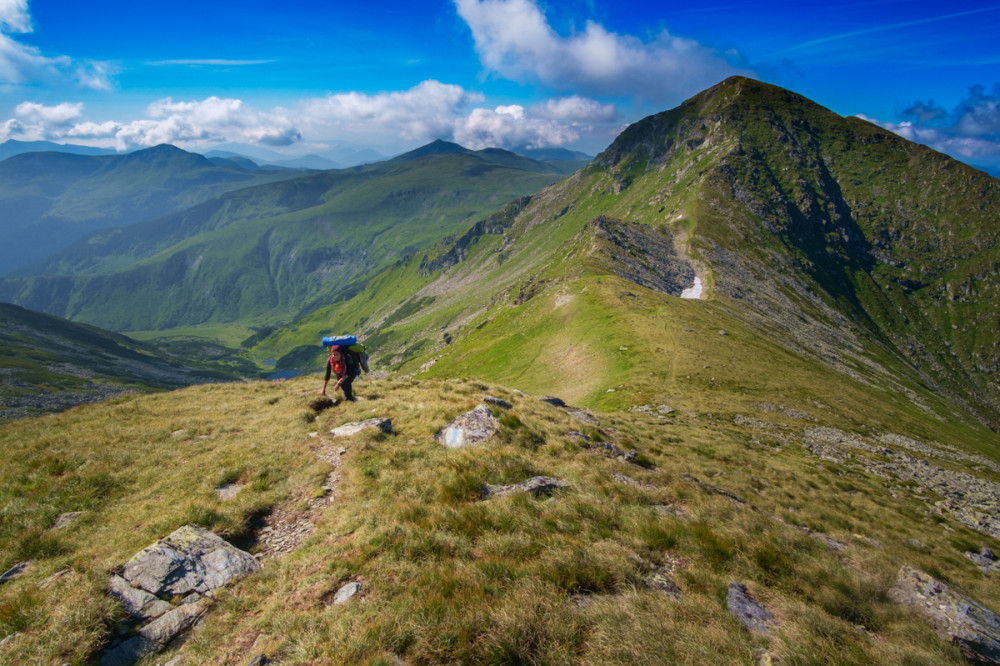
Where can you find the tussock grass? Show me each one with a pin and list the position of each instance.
(446, 576)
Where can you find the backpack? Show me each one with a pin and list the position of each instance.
(357, 351)
(349, 345)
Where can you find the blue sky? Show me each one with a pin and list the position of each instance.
(305, 76)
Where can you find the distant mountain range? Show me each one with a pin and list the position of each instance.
(13, 147)
(51, 199)
(268, 252)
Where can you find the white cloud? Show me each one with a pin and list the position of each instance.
(21, 63)
(187, 123)
(434, 110)
(962, 147)
(513, 39)
(10, 128)
(970, 132)
(577, 109)
(14, 16)
(56, 116)
(425, 111)
(510, 127)
(428, 111)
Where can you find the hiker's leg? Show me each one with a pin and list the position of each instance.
(347, 388)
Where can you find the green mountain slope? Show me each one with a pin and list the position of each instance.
(54, 198)
(826, 238)
(269, 252)
(48, 363)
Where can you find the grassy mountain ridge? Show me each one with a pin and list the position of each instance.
(55, 198)
(269, 252)
(628, 564)
(808, 228)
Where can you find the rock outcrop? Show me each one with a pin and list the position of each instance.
(470, 428)
(751, 613)
(957, 618)
(191, 561)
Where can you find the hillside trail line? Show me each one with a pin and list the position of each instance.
(289, 525)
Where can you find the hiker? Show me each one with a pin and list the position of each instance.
(345, 368)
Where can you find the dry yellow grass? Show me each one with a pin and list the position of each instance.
(447, 577)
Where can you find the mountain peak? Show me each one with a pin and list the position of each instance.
(437, 147)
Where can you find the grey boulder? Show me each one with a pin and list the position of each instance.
(751, 613)
(470, 428)
(190, 559)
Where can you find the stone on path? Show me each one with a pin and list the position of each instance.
(536, 485)
(750, 612)
(345, 593)
(348, 429)
(469, 428)
(958, 619)
(192, 558)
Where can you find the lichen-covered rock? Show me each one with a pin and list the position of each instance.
(714, 489)
(552, 400)
(170, 625)
(190, 559)
(751, 613)
(957, 619)
(470, 428)
(536, 485)
(986, 560)
(348, 429)
(660, 581)
(140, 604)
